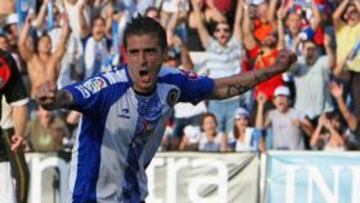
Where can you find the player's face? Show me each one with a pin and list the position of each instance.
(145, 58)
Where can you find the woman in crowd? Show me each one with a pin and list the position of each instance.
(243, 137)
(209, 139)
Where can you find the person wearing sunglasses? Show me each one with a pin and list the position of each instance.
(224, 49)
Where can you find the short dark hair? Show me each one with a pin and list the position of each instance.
(141, 25)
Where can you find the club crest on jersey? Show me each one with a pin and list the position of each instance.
(172, 97)
(92, 86)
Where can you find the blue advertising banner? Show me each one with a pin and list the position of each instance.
(313, 177)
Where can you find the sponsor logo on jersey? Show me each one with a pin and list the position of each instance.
(92, 86)
(84, 92)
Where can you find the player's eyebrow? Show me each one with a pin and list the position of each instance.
(133, 51)
(150, 49)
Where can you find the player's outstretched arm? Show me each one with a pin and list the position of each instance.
(240, 83)
(50, 98)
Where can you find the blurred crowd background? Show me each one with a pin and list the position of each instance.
(314, 106)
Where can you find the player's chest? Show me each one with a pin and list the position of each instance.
(135, 115)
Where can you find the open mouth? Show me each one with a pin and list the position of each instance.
(143, 73)
(145, 76)
(222, 38)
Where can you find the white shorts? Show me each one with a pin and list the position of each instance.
(7, 191)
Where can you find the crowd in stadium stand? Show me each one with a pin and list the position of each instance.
(314, 106)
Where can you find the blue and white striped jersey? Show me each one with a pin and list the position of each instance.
(120, 131)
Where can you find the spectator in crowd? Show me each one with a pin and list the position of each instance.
(244, 138)
(351, 120)
(72, 64)
(297, 27)
(42, 64)
(185, 113)
(260, 23)
(209, 140)
(263, 54)
(190, 141)
(286, 122)
(11, 31)
(347, 29)
(224, 51)
(96, 47)
(70, 67)
(207, 15)
(46, 132)
(311, 76)
(328, 134)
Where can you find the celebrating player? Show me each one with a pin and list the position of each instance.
(125, 113)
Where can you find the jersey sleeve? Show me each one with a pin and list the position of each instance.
(94, 95)
(14, 89)
(193, 88)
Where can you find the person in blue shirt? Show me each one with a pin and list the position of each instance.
(124, 113)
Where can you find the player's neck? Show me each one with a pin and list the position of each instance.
(145, 93)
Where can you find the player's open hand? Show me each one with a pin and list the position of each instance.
(286, 58)
(45, 95)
